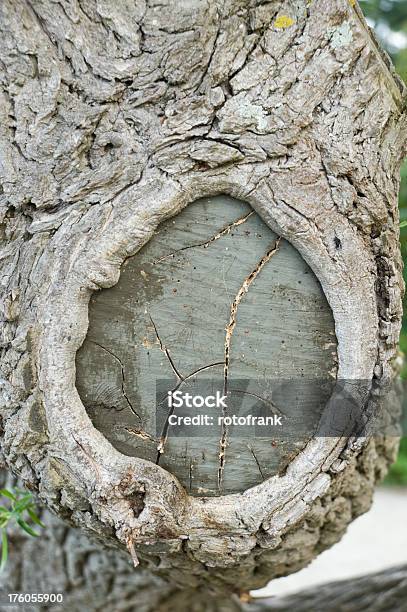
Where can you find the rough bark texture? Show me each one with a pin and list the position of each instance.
(115, 116)
(381, 592)
(65, 561)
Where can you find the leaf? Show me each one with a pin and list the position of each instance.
(27, 528)
(22, 504)
(4, 550)
(8, 494)
(282, 22)
(3, 521)
(403, 224)
(35, 519)
(20, 491)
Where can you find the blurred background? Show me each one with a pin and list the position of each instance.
(389, 20)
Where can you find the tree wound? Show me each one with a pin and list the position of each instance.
(215, 294)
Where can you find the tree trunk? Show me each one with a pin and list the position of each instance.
(65, 561)
(379, 592)
(115, 117)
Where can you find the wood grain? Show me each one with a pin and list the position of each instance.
(170, 316)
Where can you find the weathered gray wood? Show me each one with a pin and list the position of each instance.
(167, 317)
(116, 116)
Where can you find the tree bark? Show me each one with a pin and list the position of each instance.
(114, 117)
(65, 561)
(379, 592)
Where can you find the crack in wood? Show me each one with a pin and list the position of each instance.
(180, 380)
(164, 434)
(166, 352)
(224, 231)
(236, 302)
(123, 385)
(140, 433)
(256, 460)
(268, 403)
(228, 339)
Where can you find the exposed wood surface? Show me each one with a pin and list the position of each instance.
(212, 293)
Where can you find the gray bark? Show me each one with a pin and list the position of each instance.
(114, 117)
(384, 591)
(92, 578)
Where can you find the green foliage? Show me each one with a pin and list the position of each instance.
(389, 19)
(398, 472)
(391, 12)
(20, 508)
